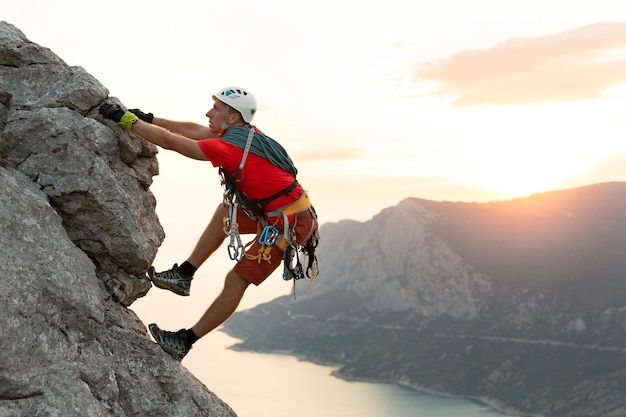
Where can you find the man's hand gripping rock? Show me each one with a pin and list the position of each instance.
(114, 112)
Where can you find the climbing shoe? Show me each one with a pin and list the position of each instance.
(171, 280)
(174, 343)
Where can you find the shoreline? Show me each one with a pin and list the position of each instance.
(489, 403)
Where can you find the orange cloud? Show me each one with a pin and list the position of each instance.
(575, 65)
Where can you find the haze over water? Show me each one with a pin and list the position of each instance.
(269, 385)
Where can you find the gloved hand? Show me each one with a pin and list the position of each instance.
(114, 112)
(146, 117)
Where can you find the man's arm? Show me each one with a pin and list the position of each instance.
(152, 133)
(168, 140)
(188, 129)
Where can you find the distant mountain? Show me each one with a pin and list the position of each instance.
(569, 242)
(520, 303)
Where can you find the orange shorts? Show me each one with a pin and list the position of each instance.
(256, 271)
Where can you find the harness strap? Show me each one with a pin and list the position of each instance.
(246, 151)
(300, 205)
(262, 202)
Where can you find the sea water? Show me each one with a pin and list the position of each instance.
(271, 385)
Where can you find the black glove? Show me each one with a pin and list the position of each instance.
(146, 117)
(112, 111)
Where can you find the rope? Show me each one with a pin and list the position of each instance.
(263, 254)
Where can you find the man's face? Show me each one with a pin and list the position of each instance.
(216, 116)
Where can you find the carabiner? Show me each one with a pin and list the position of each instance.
(235, 253)
(268, 235)
(235, 246)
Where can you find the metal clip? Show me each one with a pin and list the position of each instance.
(235, 246)
(268, 235)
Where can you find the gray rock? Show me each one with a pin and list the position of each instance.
(95, 175)
(78, 230)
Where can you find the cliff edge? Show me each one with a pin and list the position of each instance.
(78, 230)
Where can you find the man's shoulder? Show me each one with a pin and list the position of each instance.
(216, 142)
(218, 148)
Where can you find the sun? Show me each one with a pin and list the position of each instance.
(517, 169)
(515, 151)
(514, 178)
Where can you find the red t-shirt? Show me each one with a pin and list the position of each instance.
(261, 179)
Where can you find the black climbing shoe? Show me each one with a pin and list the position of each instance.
(174, 343)
(171, 280)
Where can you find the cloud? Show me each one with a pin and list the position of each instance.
(328, 154)
(579, 64)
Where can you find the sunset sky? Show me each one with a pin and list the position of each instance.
(447, 100)
(375, 101)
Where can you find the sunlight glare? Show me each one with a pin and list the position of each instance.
(618, 90)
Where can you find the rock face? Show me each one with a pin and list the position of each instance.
(78, 230)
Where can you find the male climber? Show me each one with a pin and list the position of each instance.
(262, 197)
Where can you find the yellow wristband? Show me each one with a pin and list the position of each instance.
(127, 121)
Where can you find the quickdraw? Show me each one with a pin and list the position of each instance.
(235, 245)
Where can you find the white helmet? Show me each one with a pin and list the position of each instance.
(239, 99)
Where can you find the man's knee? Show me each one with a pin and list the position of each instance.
(234, 280)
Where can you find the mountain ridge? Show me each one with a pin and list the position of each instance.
(499, 301)
(541, 227)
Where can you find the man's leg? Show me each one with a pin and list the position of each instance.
(211, 238)
(178, 278)
(178, 343)
(224, 305)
